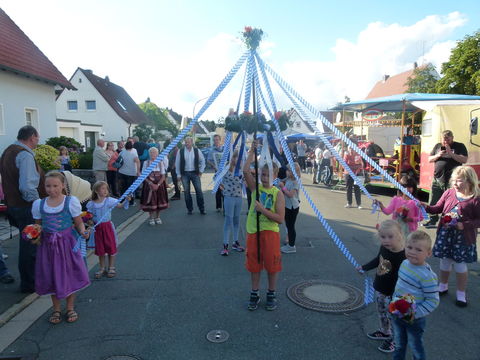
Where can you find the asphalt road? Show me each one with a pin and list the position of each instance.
(173, 287)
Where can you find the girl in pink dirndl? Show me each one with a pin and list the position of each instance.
(154, 193)
(60, 270)
(105, 236)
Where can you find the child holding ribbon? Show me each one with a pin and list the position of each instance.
(232, 187)
(263, 252)
(105, 235)
(292, 207)
(387, 262)
(59, 270)
(405, 210)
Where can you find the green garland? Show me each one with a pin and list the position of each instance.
(252, 37)
(249, 123)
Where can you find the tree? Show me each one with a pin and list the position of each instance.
(159, 117)
(144, 132)
(462, 71)
(423, 80)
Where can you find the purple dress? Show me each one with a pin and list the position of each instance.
(59, 270)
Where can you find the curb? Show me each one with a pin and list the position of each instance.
(28, 300)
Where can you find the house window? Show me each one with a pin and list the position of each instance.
(72, 105)
(297, 124)
(121, 105)
(2, 123)
(31, 117)
(91, 105)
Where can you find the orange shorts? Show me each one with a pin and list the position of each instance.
(270, 258)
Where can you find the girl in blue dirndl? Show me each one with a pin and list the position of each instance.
(60, 270)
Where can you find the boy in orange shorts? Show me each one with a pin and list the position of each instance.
(271, 206)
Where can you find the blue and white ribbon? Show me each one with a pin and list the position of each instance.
(332, 127)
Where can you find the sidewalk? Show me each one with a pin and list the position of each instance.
(11, 300)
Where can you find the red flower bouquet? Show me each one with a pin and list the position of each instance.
(403, 307)
(32, 233)
(402, 212)
(449, 219)
(87, 218)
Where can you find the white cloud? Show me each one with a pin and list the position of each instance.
(379, 49)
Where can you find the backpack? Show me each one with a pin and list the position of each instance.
(117, 164)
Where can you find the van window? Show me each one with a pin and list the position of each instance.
(427, 127)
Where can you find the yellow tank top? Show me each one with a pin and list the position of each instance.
(268, 198)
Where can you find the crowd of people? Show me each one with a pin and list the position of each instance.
(401, 262)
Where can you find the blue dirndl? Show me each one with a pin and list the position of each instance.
(450, 244)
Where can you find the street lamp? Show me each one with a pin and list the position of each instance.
(193, 114)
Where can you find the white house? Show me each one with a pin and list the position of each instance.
(300, 126)
(97, 109)
(28, 81)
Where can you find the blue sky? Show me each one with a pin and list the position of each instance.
(176, 52)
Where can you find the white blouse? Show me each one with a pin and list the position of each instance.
(74, 207)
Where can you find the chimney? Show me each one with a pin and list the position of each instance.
(107, 79)
(385, 78)
(89, 71)
(415, 65)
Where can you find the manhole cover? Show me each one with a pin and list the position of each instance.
(123, 357)
(217, 336)
(327, 296)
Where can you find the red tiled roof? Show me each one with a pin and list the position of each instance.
(116, 96)
(394, 85)
(20, 55)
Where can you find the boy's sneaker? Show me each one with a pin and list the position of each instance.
(237, 247)
(287, 249)
(224, 251)
(378, 335)
(254, 300)
(271, 301)
(388, 346)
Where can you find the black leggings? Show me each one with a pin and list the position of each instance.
(290, 218)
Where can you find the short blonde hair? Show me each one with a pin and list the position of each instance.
(469, 175)
(274, 169)
(391, 225)
(420, 236)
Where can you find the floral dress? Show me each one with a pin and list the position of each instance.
(450, 243)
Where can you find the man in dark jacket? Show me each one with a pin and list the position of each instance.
(23, 183)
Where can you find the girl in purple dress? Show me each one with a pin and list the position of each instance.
(60, 270)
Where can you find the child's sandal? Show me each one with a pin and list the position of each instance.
(111, 272)
(71, 316)
(100, 273)
(55, 318)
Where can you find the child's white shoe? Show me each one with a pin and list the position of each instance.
(152, 222)
(158, 221)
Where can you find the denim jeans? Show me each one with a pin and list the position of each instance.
(438, 188)
(411, 334)
(191, 176)
(232, 206)
(21, 217)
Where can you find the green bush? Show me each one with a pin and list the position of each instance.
(70, 143)
(47, 157)
(85, 160)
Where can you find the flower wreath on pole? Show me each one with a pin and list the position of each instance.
(252, 37)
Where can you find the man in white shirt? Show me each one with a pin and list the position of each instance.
(100, 161)
(189, 165)
(318, 160)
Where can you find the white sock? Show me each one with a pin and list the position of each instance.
(442, 287)
(461, 296)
